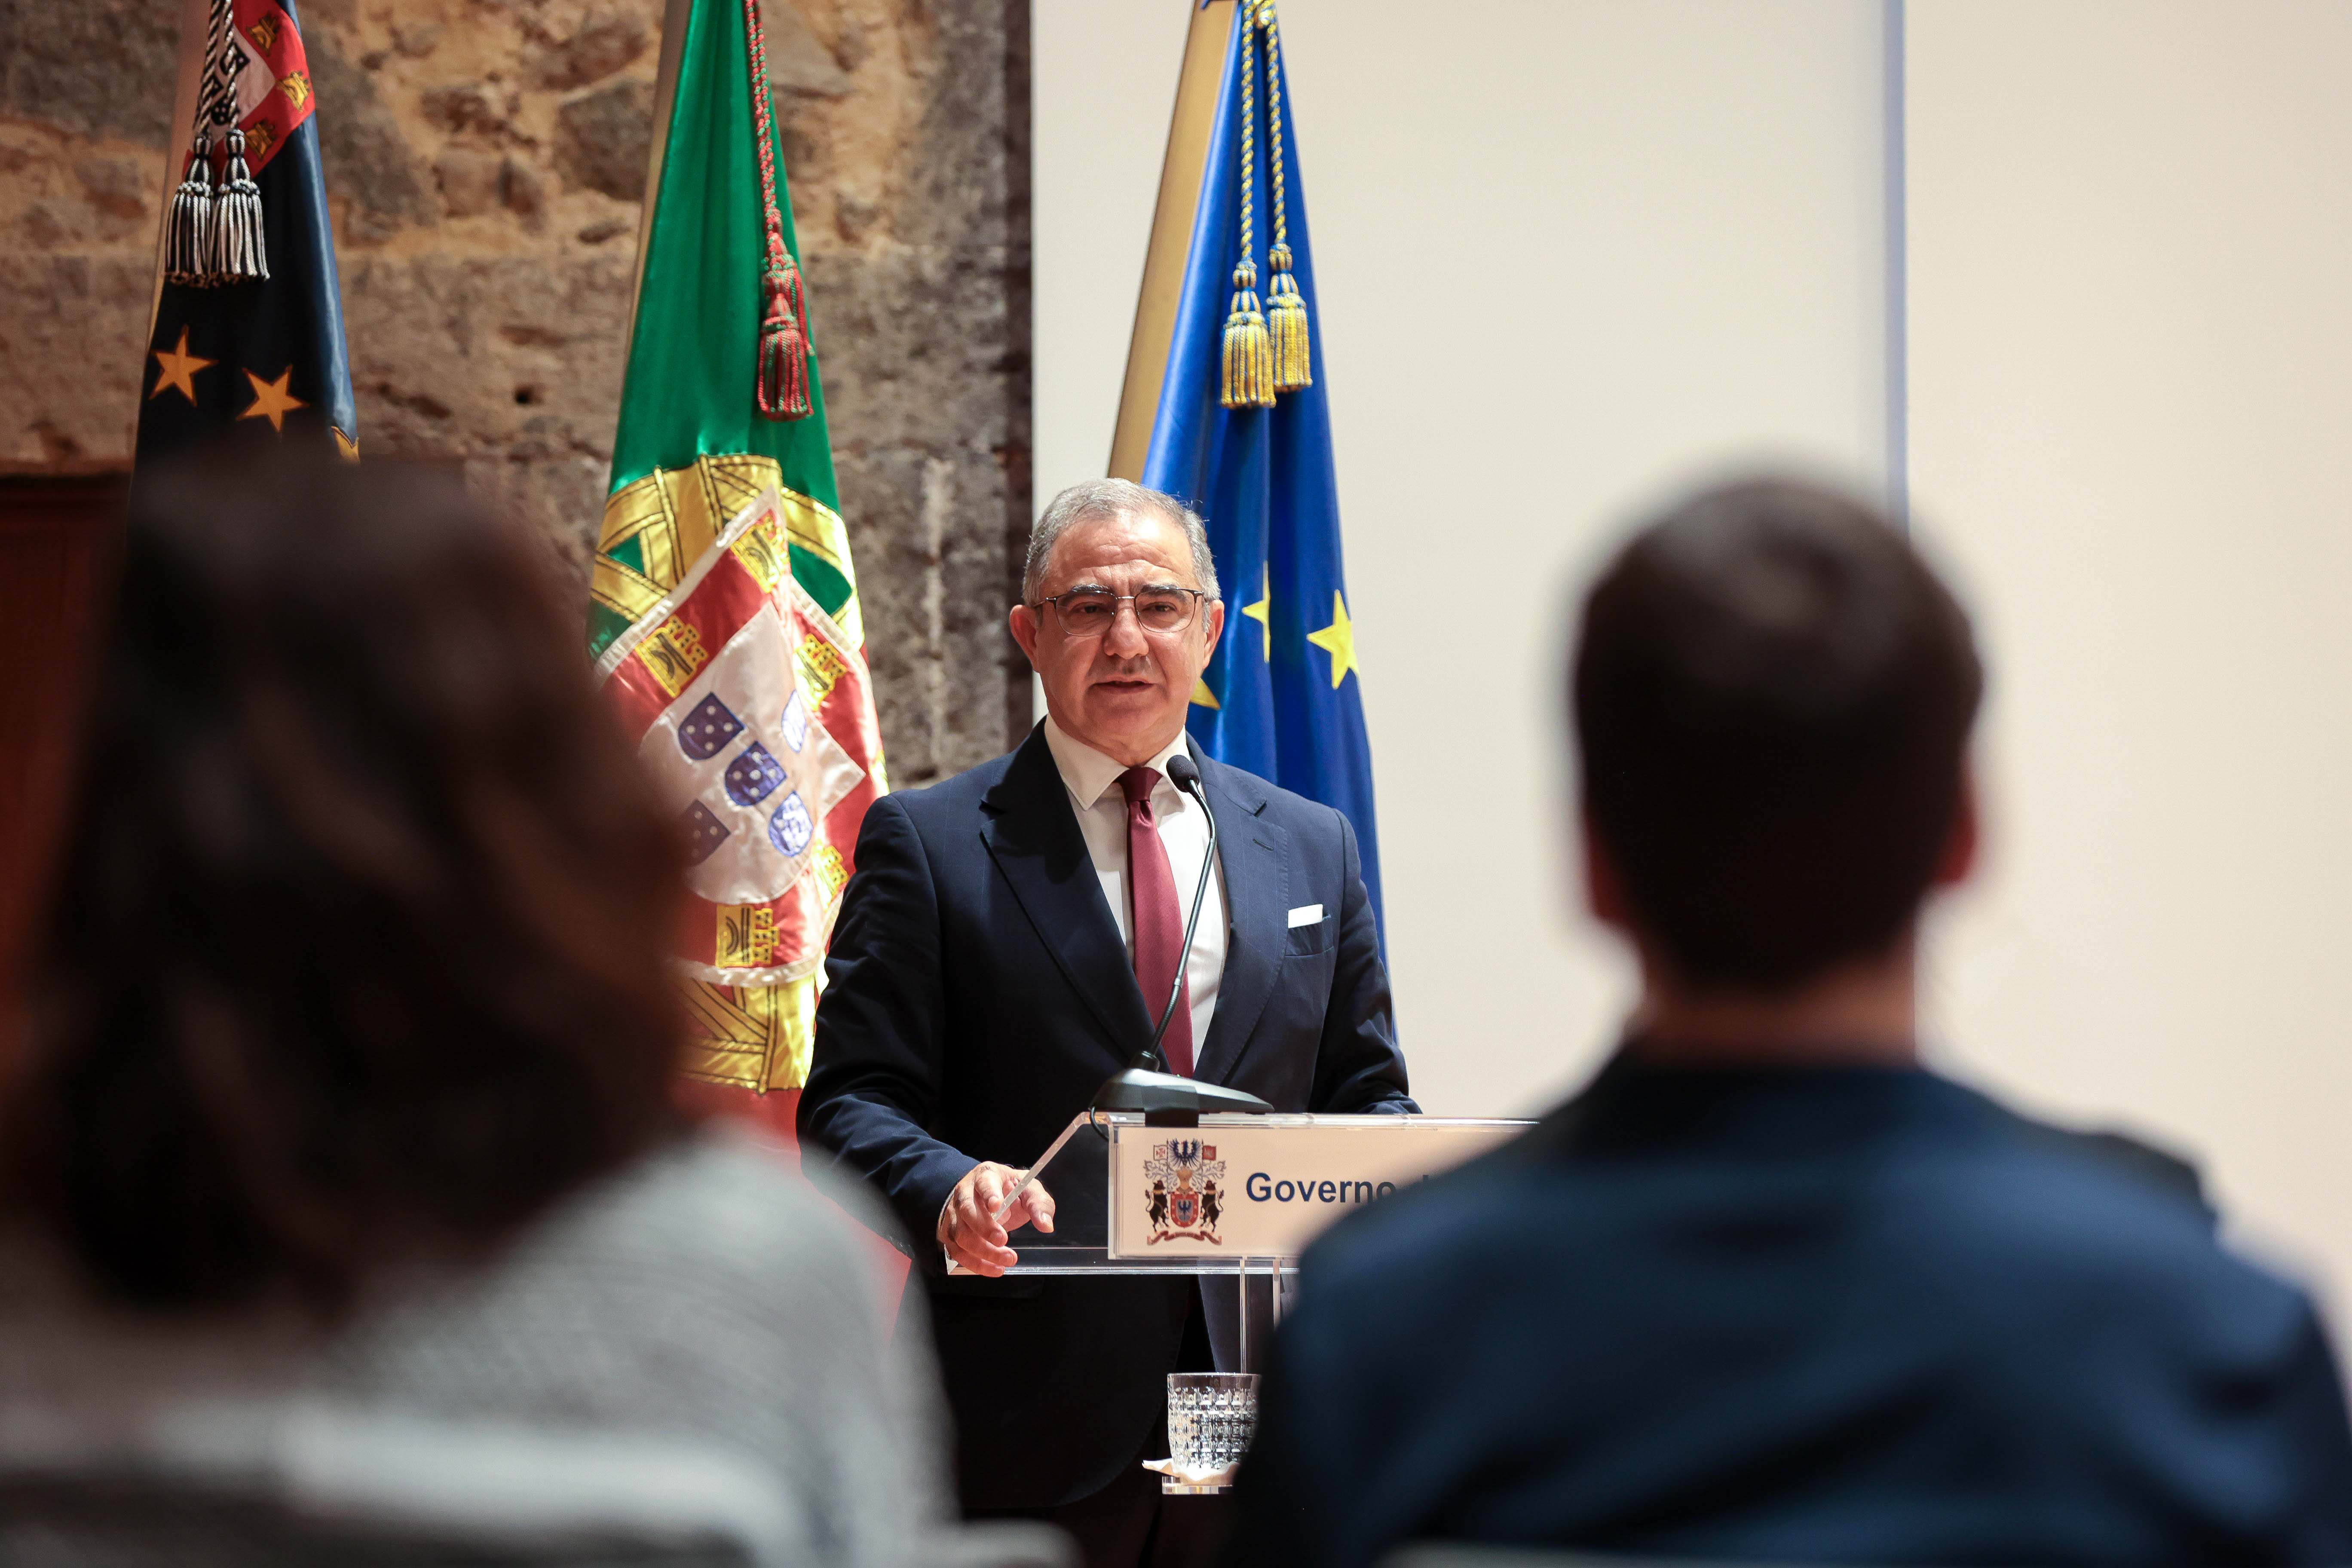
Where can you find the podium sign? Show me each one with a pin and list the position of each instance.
(1246, 1187)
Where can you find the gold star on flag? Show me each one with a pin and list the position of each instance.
(271, 401)
(1337, 639)
(178, 370)
(1202, 696)
(1262, 611)
(345, 448)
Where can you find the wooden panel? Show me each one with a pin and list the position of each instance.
(54, 535)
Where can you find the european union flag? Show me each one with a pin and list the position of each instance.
(1244, 433)
(248, 331)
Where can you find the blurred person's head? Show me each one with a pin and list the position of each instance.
(1773, 696)
(355, 947)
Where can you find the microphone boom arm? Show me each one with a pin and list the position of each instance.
(1148, 1085)
(1190, 783)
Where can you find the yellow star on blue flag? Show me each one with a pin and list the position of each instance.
(1337, 639)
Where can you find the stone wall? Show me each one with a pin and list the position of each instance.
(485, 160)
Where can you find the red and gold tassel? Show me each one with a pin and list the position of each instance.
(783, 345)
(782, 392)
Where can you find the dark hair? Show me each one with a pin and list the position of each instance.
(1773, 695)
(356, 950)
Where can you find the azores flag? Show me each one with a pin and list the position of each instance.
(248, 335)
(724, 616)
(1242, 432)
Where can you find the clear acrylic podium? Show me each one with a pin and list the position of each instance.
(1237, 1196)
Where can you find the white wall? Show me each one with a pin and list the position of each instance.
(1569, 251)
(1103, 75)
(2132, 434)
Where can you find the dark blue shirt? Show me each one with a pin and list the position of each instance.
(1821, 1315)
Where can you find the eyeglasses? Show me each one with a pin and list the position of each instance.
(1159, 607)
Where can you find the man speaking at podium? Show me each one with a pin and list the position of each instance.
(1009, 941)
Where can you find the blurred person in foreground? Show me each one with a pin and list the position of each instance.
(1767, 1289)
(347, 1070)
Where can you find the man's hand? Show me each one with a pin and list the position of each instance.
(974, 1233)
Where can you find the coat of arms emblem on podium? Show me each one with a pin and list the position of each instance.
(1183, 1199)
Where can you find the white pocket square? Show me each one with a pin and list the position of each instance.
(1307, 915)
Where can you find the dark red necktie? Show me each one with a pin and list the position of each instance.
(1155, 920)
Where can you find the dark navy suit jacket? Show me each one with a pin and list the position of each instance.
(1846, 1315)
(978, 993)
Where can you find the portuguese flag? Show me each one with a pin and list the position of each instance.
(724, 617)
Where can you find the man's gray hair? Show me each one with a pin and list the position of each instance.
(1112, 497)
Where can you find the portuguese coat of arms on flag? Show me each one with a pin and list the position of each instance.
(724, 619)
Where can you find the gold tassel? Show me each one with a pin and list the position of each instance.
(1286, 314)
(1249, 352)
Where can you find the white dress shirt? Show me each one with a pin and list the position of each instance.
(1092, 779)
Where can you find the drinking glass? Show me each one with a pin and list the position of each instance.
(1211, 1417)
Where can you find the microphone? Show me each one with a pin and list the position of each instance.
(1147, 1085)
(1166, 1099)
(1185, 774)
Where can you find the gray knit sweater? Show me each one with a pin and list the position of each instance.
(709, 1293)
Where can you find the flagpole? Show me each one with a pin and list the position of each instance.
(1171, 233)
(675, 17)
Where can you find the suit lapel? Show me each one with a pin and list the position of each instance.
(1033, 836)
(1255, 853)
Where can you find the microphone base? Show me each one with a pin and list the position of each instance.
(1159, 1094)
